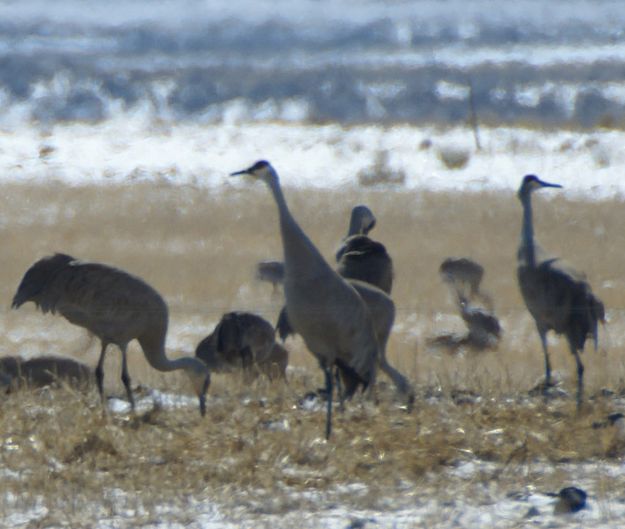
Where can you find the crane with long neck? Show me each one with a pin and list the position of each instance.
(323, 308)
(558, 297)
(115, 306)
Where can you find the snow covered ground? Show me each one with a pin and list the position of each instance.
(588, 165)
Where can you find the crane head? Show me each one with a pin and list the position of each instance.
(532, 183)
(362, 220)
(261, 170)
(38, 277)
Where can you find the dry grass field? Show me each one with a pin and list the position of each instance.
(64, 463)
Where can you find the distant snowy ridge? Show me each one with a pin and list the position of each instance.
(349, 61)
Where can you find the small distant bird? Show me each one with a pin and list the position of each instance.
(570, 500)
(484, 327)
(243, 341)
(557, 297)
(270, 271)
(464, 277)
(484, 330)
(115, 306)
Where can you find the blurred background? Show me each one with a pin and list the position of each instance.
(529, 62)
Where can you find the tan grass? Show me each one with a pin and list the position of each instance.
(199, 248)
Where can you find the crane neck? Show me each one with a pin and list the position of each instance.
(162, 363)
(355, 226)
(301, 256)
(528, 249)
(154, 349)
(196, 370)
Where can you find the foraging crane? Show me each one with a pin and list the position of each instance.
(558, 298)
(484, 327)
(243, 341)
(113, 305)
(464, 276)
(41, 371)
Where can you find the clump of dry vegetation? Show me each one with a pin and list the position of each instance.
(256, 449)
(65, 452)
(454, 157)
(381, 173)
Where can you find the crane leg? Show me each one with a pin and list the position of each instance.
(99, 372)
(339, 390)
(126, 378)
(543, 341)
(580, 379)
(329, 390)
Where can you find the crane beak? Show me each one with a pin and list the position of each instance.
(547, 184)
(248, 171)
(17, 301)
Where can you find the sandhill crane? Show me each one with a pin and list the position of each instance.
(360, 257)
(557, 297)
(484, 327)
(368, 268)
(323, 308)
(464, 276)
(270, 271)
(113, 305)
(243, 341)
(382, 311)
(43, 371)
(484, 330)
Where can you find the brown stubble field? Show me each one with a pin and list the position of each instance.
(255, 450)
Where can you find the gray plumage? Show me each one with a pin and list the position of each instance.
(557, 297)
(113, 305)
(484, 327)
(361, 221)
(360, 257)
(464, 277)
(323, 308)
(368, 268)
(243, 341)
(382, 311)
(41, 371)
(270, 271)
